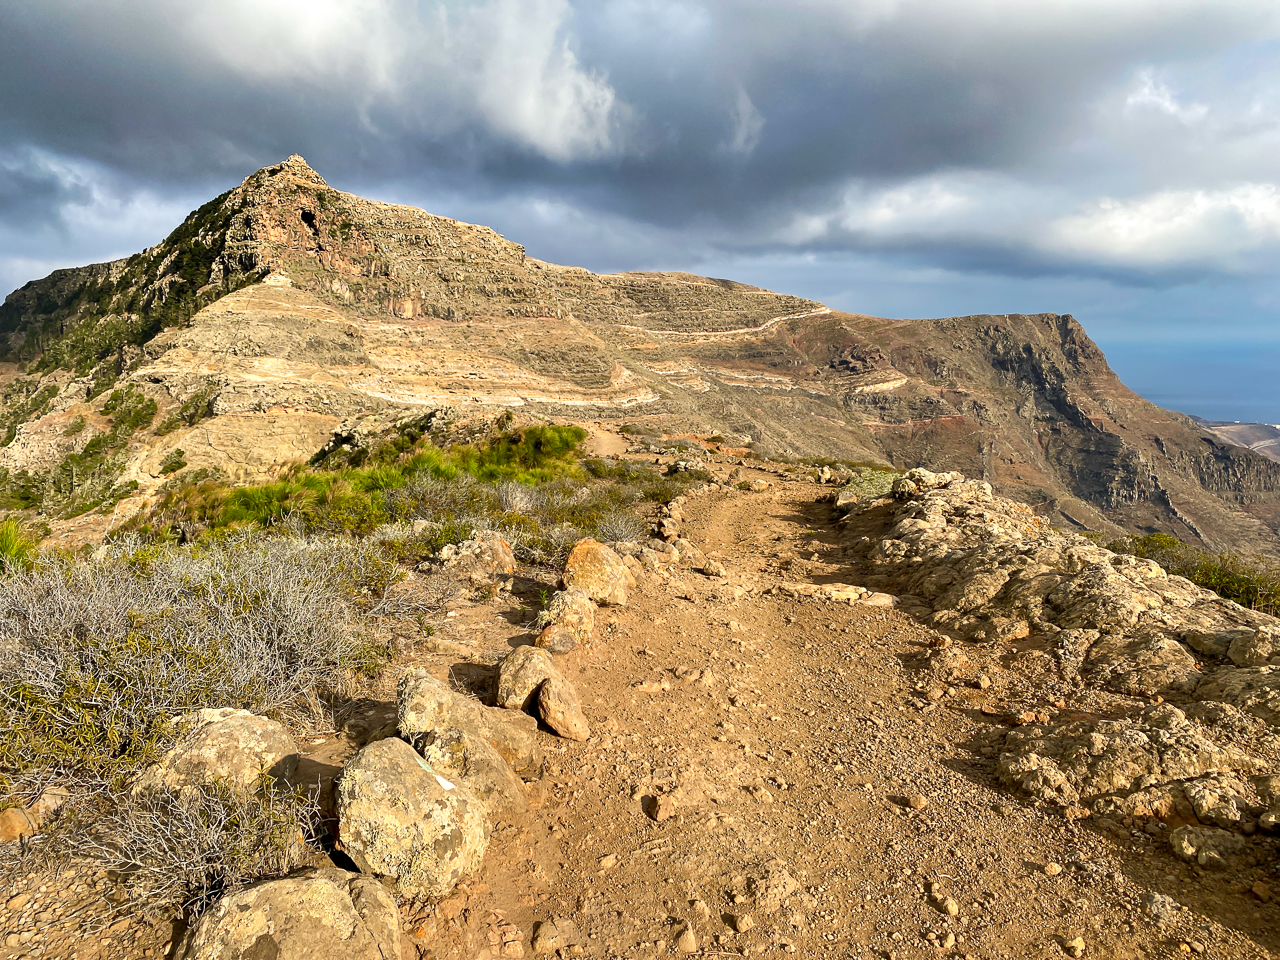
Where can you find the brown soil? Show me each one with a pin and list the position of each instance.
(783, 739)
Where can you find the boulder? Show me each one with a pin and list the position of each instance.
(599, 572)
(1256, 648)
(398, 818)
(520, 675)
(560, 709)
(1207, 846)
(317, 915)
(228, 746)
(846, 499)
(556, 639)
(458, 755)
(573, 610)
(1083, 761)
(425, 705)
(481, 560)
(1255, 690)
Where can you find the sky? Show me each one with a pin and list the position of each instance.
(1113, 159)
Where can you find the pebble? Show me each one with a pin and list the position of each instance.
(1052, 869)
(1075, 947)
(917, 801)
(1261, 891)
(742, 922)
(949, 906)
(687, 942)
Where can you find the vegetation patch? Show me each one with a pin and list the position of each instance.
(192, 410)
(1251, 582)
(23, 401)
(526, 484)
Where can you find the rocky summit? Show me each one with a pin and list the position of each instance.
(284, 313)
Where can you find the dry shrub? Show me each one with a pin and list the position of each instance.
(96, 657)
(176, 852)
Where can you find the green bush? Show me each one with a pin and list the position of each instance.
(173, 461)
(1250, 582)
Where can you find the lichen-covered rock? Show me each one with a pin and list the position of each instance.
(520, 675)
(425, 705)
(1083, 761)
(1257, 648)
(227, 746)
(1255, 690)
(556, 639)
(1207, 846)
(461, 756)
(317, 915)
(573, 610)
(1141, 665)
(599, 572)
(558, 704)
(481, 559)
(398, 818)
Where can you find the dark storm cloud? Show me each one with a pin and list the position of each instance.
(1133, 141)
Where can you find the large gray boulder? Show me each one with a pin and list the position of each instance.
(399, 818)
(520, 674)
(425, 706)
(230, 747)
(318, 915)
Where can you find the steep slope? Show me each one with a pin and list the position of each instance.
(284, 307)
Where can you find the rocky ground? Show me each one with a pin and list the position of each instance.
(778, 762)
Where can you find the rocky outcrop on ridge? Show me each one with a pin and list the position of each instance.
(989, 570)
(1122, 632)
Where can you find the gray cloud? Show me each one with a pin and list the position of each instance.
(1131, 142)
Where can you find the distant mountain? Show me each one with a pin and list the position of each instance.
(284, 309)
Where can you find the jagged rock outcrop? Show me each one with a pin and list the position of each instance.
(991, 570)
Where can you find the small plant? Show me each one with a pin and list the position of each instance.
(74, 427)
(173, 461)
(621, 526)
(18, 548)
(192, 411)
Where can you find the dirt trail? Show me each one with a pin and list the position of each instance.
(749, 788)
(780, 741)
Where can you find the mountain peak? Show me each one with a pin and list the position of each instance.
(294, 168)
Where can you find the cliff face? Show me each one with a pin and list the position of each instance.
(284, 307)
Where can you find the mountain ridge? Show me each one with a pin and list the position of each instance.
(290, 309)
